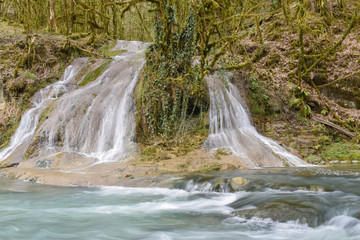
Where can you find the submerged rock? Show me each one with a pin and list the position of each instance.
(284, 211)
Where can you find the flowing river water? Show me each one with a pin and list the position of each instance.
(325, 204)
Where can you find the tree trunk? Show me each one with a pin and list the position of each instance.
(114, 22)
(72, 16)
(66, 18)
(53, 23)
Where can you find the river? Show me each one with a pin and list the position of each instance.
(325, 201)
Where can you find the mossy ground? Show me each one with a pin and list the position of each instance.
(344, 152)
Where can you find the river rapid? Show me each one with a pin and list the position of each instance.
(313, 203)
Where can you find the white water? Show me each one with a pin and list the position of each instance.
(98, 119)
(106, 131)
(37, 212)
(231, 128)
(30, 119)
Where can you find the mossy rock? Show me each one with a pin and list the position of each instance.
(32, 148)
(219, 185)
(93, 75)
(290, 210)
(108, 52)
(238, 183)
(222, 152)
(45, 114)
(314, 159)
(212, 167)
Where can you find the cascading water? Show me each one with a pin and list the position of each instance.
(42, 99)
(230, 127)
(98, 120)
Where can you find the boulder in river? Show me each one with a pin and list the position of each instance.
(284, 211)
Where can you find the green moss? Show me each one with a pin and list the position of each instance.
(273, 59)
(106, 50)
(172, 90)
(211, 167)
(93, 75)
(342, 151)
(31, 76)
(148, 151)
(33, 146)
(107, 46)
(324, 140)
(313, 159)
(259, 99)
(114, 53)
(259, 54)
(220, 153)
(9, 130)
(45, 114)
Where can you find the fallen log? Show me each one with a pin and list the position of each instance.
(333, 125)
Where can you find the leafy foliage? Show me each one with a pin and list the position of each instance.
(171, 90)
(300, 100)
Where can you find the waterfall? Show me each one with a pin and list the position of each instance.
(98, 120)
(95, 121)
(41, 100)
(231, 128)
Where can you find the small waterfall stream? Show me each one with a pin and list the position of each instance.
(42, 99)
(230, 127)
(98, 120)
(95, 121)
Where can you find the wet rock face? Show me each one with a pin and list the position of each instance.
(284, 211)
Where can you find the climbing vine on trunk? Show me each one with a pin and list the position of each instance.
(172, 89)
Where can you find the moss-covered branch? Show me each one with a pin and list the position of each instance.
(339, 79)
